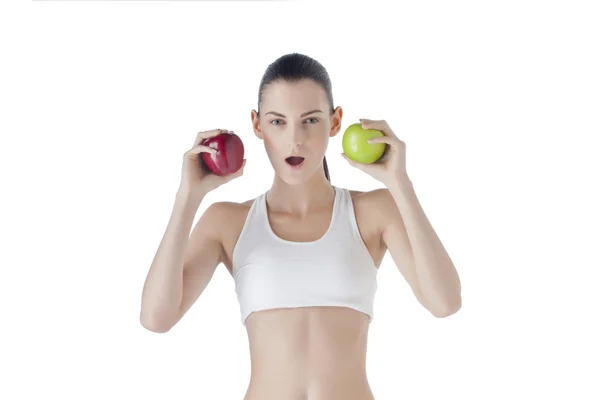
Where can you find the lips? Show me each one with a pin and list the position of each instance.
(294, 160)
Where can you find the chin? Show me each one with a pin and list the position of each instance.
(293, 176)
(293, 180)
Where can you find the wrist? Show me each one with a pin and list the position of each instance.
(400, 182)
(189, 198)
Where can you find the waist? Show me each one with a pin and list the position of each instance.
(310, 353)
(308, 341)
(333, 386)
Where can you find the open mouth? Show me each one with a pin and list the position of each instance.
(294, 161)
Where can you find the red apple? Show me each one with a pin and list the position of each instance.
(229, 156)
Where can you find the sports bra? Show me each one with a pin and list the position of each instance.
(336, 270)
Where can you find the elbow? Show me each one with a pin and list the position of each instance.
(447, 309)
(155, 325)
(448, 304)
(156, 328)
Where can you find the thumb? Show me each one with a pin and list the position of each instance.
(216, 180)
(352, 162)
(237, 173)
(367, 168)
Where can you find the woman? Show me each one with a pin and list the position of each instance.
(304, 255)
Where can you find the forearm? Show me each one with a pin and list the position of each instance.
(162, 292)
(437, 277)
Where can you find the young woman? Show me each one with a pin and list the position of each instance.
(304, 255)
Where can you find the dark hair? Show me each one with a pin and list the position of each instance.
(293, 68)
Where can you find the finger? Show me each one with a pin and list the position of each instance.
(380, 125)
(368, 168)
(207, 134)
(201, 149)
(352, 162)
(383, 139)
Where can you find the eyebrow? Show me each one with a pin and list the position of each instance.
(303, 115)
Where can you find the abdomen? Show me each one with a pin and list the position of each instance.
(308, 353)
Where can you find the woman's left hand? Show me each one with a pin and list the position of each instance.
(391, 166)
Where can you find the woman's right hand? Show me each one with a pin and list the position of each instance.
(196, 178)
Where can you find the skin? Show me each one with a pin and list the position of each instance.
(316, 352)
(296, 353)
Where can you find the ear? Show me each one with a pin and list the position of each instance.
(336, 122)
(256, 124)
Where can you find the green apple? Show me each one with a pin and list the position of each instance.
(357, 148)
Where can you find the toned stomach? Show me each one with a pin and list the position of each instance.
(308, 353)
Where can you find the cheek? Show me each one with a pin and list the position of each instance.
(274, 141)
(268, 138)
(321, 137)
(269, 143)
(273, 147)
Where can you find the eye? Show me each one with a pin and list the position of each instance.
(274, 121)
(316, 120)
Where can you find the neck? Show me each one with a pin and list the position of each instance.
(302, 198)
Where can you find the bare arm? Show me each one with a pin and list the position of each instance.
(183, 265)
(418, 252)
(395, 239)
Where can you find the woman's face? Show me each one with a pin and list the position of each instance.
(295, 120)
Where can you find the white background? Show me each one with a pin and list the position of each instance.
(499, 106)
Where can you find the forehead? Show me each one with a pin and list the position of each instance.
(301, 95)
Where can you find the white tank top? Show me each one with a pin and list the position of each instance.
(335, 270)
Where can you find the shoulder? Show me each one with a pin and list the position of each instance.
(230, 211)
(229, 208)
(377, 204)
(377, 198)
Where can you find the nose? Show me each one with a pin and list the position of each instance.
(297, 137)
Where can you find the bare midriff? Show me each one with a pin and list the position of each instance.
(308, 353)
